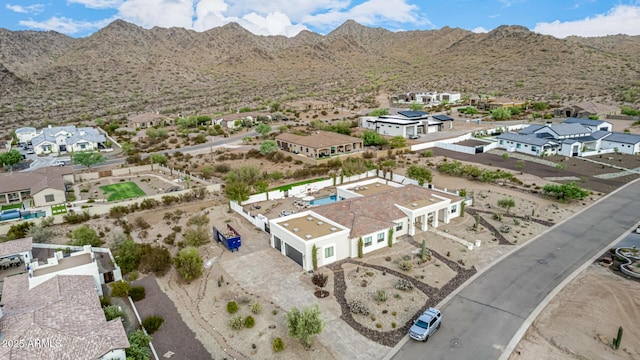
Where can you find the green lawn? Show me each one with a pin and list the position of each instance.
(11, 206)
(59, 209)
(120, 191)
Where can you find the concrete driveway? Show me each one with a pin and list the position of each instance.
(481, 320)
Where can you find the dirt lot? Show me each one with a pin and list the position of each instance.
(581, 321)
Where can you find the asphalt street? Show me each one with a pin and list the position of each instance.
(481, 319)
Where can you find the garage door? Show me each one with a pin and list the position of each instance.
(277, 243)
(293, 254)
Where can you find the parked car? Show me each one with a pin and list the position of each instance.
(414, 137)
(30, 151)
(58, 163)
(426, 324)
(638, 230)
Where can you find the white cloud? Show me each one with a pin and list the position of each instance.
(163, 13)
(30, 9)
(371, 12)
(98, 4)
(479, 29)
(621, 19)
(65, 25)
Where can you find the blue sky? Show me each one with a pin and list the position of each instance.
(560, 18)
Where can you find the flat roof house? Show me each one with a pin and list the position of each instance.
(319, 144)
(406, 123)
(372, 211)
(60, 318)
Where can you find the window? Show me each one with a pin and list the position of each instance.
(533, 148)
(328, 252)
(49, 198)
(368, 241)
(518, 146)
(399, 226)
(380, 237)
(454, 208)
(501, 142)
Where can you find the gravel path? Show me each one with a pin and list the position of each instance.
(174, 335)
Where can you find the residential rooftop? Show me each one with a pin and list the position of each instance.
(309, 227)
(63, 264)
(370, 189)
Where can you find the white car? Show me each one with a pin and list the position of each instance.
(638, 230)
(58, 163)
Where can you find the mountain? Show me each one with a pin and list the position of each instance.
(123, 68)
(10, 82)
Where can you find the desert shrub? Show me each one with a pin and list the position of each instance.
(404, 285)
(405, 265)
(278, 344)
(236, 322)
(76, 217)
(198, 220)
(112, 312)
(120, 289)
(141, 223)
(393, 325)
(379, 326)
(232, 307)
(196, 236)
(137, 293)
(381, 295)
(357, 307)
(249, 322)
(255, 307)
(117, 212)
(155, 259)
(19, 230)
(104, 301)
(152, 323)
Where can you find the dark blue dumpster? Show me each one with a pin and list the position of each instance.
(230, 238)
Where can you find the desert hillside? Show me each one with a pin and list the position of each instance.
(123, 69)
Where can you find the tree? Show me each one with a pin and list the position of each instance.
(415, 106)
(40, 233)
(274, 106)
(283, 128)
(88, 158)
(139, 346)
(372, 138)
(155, 259)
(261, 186)
(237, 191)
(419, 173)
(248, 174)
(10, 158)
(127, 255)
(268, 147)
(84, 235)
(314, 258)
(320, 280)
(379, 112)
(303, 325)
(360, 247)
(506, 203)
(539, 106)
(568, 191)
(397, 142)
(263, 129)
(470, 110)
(158, 159)
(188, 264)
(501, 114)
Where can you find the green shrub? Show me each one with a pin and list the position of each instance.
(255, 308)
(137, 293)
(249, 322)
(278, 345)
(120, 289)
(393, 325)
(232, 307)
(112, 312)
(236, 322)
(152, 323)
(104, 301)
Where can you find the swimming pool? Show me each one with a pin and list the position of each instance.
(324, 200)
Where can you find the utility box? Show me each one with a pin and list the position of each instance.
(230, 238)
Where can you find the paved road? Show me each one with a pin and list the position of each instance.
(483, 317)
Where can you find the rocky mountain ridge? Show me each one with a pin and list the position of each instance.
(124, 68)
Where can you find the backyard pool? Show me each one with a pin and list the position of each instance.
(324, 200)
